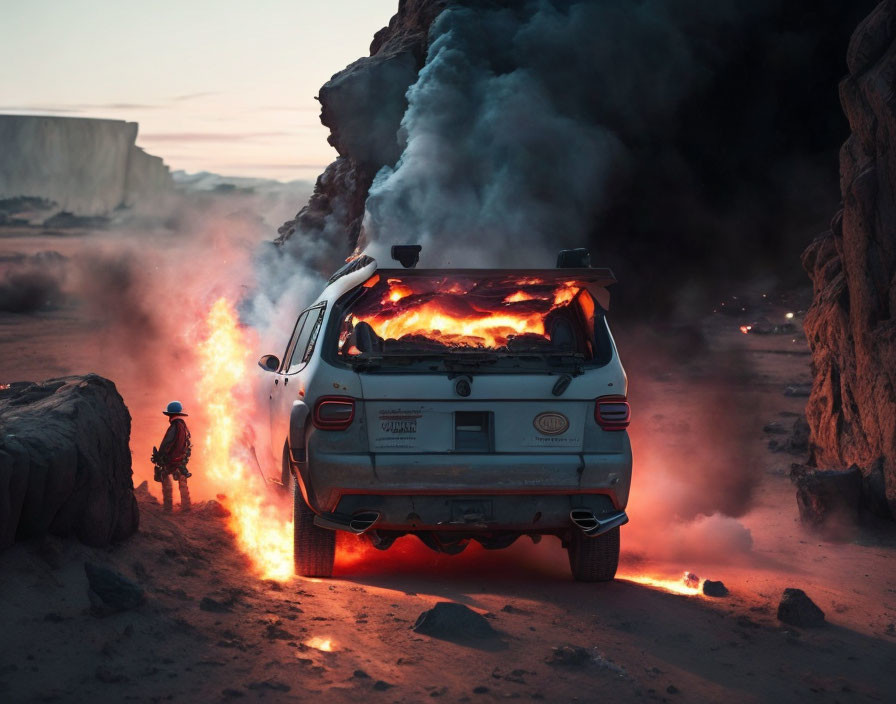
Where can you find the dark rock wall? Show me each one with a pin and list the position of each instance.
(851, 326)
(363, 105)
(65, 463)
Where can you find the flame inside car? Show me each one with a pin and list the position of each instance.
(435, 313)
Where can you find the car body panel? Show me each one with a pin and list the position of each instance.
(417, 452)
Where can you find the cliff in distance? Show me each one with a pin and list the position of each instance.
(82, 166)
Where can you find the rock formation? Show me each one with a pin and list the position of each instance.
(362, 105)
(851, 325)
(81, 166)
(65, 464)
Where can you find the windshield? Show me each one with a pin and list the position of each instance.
(468, 319)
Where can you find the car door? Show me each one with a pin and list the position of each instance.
(286, 382)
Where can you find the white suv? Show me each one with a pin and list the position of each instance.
(455, 405)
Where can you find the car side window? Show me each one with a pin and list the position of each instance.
(296, 333)
(301, 352)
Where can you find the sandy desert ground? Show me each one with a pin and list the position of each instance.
(211, 630)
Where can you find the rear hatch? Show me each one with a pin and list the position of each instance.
(504, 414)
(477, 361)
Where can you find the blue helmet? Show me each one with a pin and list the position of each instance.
(175, 408)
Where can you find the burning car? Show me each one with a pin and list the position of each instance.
(455, 405)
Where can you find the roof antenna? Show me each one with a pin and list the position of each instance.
(406, 254)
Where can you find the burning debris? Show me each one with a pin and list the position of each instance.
(432, 313)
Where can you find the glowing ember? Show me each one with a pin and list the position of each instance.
(324, 644)
(519, 296)
(688, 585)
(262, 530)
(745, 328)
(789, 316)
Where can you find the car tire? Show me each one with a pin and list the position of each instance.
(594, 559)
(314, 548)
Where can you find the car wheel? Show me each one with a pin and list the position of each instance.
(314, 548)
(594, 559)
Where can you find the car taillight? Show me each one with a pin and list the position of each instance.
(333, 412)
(612, 412)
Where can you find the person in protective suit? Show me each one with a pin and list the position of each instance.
(172, 456)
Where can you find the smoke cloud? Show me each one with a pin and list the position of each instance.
(666, 135)
(30, 282)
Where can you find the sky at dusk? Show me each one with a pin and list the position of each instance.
(215, 85)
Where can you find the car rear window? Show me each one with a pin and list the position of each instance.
(497, 316)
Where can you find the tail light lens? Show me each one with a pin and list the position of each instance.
(333, 412)
(612, 412)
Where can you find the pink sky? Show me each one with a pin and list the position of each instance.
(216, 85)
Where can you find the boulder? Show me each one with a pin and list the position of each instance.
(454, 622)
(851, 325)
(828, 499)
(712, 588)
(797, 609)
(65, 464)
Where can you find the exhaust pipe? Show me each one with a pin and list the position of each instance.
(363, 521)
(359, 523)
(592, 526)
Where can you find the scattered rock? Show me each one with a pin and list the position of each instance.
(797, 609)
(711, 588)
(481, 689)
(454, 622)
(360, 675)
(110, 592)
(274, 632)
(382, 685)
(798, 390)
(511, 609)
(272, 685)
(774, 428)
(230, 693)
(828, 499)
(142, 493)
(573, 655)
(213, 605)
(212, 509)
(672, 689)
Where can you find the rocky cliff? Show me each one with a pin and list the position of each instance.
(65, 465)
(851, 325)
(84, 166)
(362, 105)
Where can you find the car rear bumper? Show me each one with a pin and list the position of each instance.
(447, 491)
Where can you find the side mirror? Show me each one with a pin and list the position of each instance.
(269, 363)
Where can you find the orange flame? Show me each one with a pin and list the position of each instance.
(688, 584)
(262, 531)
(318, 643)
(434, 318)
